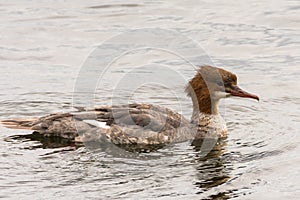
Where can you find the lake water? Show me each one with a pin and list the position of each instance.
(44, 45)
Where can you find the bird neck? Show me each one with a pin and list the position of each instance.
(204, 104)
(209, 125)
(200, 94)
(204, 111)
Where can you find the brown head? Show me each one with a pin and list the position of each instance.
(210, 84)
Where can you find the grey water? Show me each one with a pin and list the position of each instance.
(46, 45)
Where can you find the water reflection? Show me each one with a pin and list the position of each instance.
(213, 169)
(44, 142)
(44, 45)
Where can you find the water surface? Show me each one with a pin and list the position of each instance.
(43, 46)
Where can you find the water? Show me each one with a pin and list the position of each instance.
(43, 46)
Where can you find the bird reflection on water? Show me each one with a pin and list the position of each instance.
(44, 142)
(211, 162)
(213, 168)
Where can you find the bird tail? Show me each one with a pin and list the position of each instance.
(18, 123)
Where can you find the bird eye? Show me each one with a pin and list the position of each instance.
(220, 83)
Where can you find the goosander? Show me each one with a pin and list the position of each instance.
(146, 124)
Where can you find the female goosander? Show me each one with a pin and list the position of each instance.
(146, 124)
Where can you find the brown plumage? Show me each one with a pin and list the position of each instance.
(206, 81)
(145, 124)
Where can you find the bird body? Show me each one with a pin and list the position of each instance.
(146, 124)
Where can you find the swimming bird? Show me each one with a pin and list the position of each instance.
(146, 124)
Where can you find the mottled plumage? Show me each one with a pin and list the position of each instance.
(146, 124)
